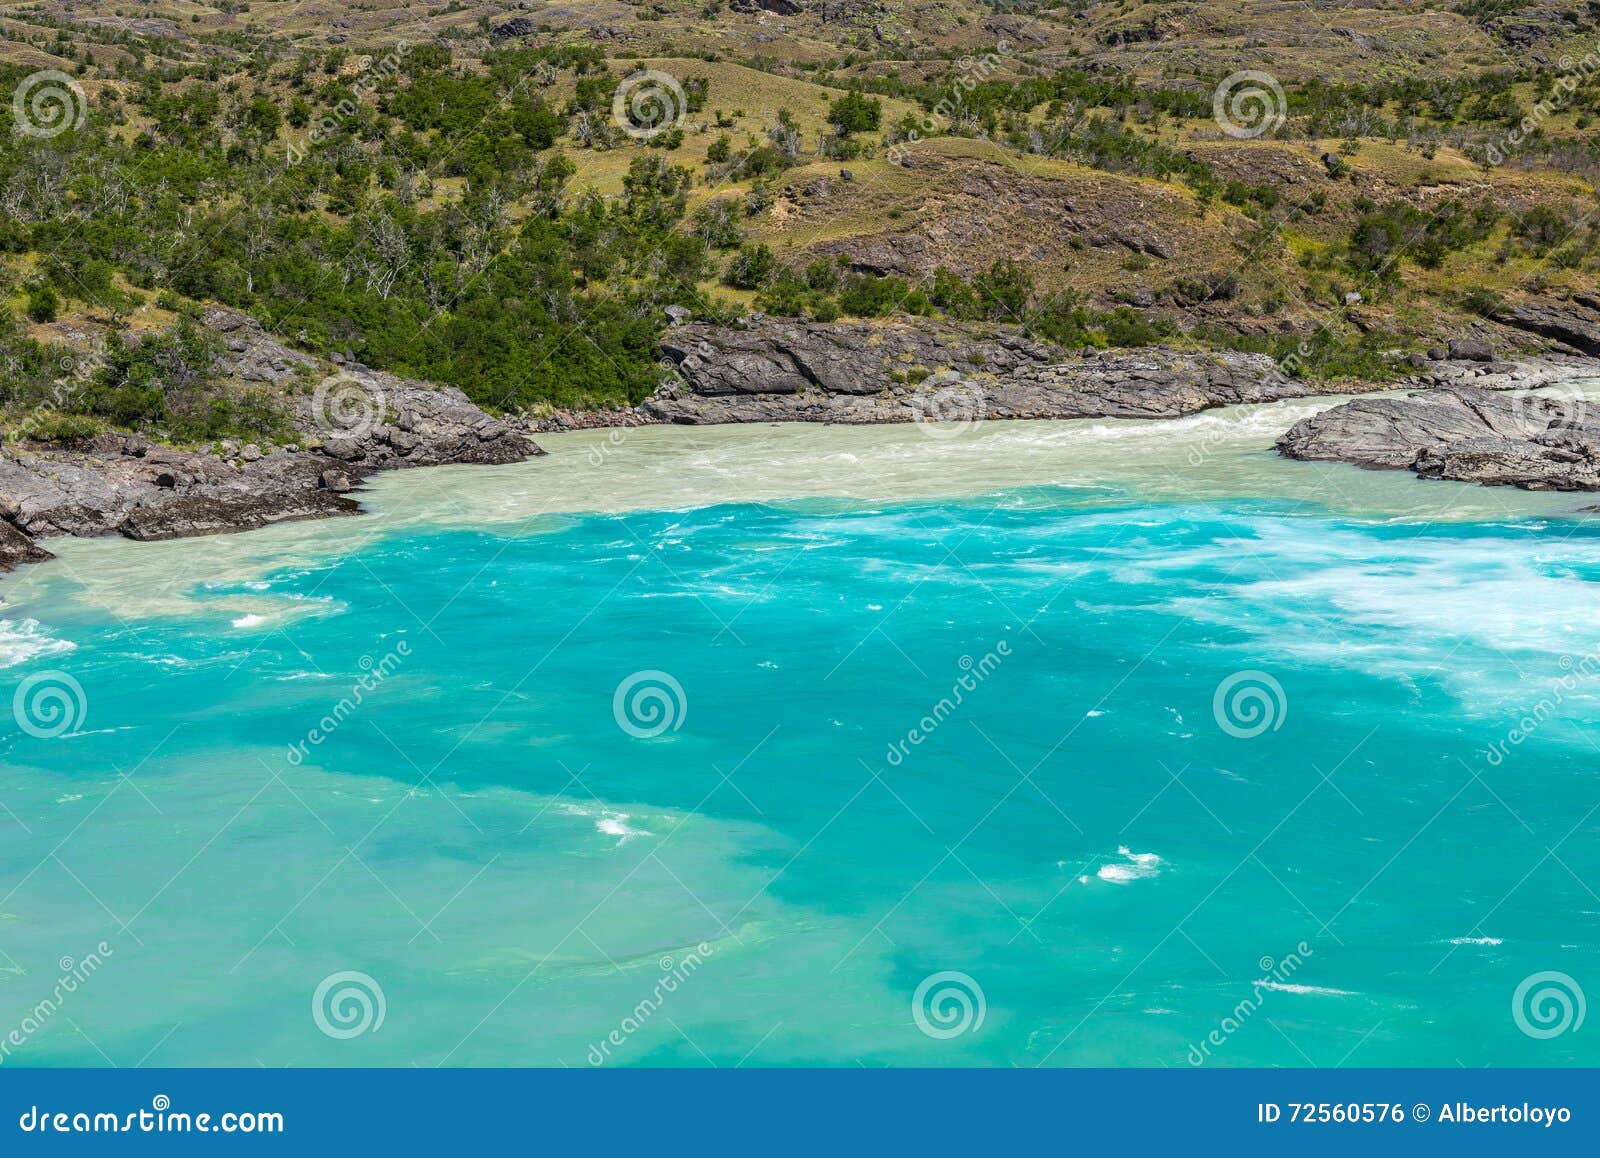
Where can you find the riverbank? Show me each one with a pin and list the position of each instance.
(351, 423)
(620, 472)
(355, 421)
(924, 370)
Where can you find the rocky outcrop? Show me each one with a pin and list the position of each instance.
(199, 516)
(1461, 433)
(769, 370)
(776, 356)
(1574, 323)
(1470, 350)
(347, 424)
(17, 549)
(513, 29)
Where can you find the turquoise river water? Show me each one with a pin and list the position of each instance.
(1078, 743)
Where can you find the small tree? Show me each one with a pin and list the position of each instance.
(1004, 290)
(855, 112)
(751, 268)
(43, 303)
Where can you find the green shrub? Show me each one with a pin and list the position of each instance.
(750, 267)
(43, 303)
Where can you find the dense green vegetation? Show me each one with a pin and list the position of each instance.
(508, 285)
(433, 216)
(332, 223)
(1475, 111)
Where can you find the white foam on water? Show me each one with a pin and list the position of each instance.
(609, 822)
(1135, 866)
(1325, 596)
(616, 824)
(1475, 941)
(1219, 455)
(24, 639)
(1313, 990)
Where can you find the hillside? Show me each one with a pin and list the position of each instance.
(511, 198)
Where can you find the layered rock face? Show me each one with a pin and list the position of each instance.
(779, 371)
(1574, 323)
(1461, 433)
(350, 424)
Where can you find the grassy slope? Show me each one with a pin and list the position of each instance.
(965, 203)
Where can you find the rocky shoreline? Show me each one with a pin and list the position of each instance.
(1461, 433)
(917, 370)
(354, 422)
